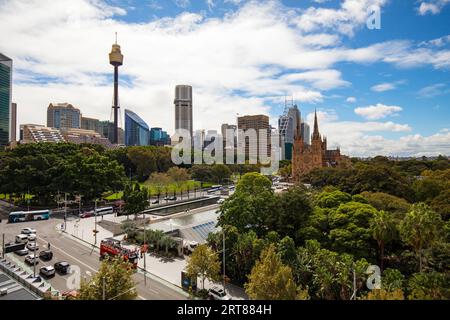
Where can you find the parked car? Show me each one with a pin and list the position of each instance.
(62, 267)
(46, 255)
(155, 201)
(28, 231)
(21, 238)
(216, 293)
(32, 237)
(30, 259)
(32, 246)
(22, 252)
(47, 271)
(220, 201)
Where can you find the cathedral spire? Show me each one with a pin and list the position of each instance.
(316, 134)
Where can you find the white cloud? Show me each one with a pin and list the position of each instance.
(183, 3)
(378, 111)
(351, 100)
(433, 90)
(432, 6)
(382, 87)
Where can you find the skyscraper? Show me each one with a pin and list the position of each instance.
(183, 108)
(5, 99)
(116, 60)
(13, 122)
(137, 132)
(286, 128)
(63, 116)
(106, 129)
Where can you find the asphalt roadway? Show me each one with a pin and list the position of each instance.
(65, 248)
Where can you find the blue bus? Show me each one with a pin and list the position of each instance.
(22, 216)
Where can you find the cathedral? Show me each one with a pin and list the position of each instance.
(308, 157)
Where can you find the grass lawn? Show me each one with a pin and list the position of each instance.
(170, 188)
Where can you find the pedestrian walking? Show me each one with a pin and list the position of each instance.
(48, 246)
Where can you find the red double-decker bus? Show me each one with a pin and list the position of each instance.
(113, 247)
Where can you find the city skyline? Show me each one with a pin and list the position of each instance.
(376, 91)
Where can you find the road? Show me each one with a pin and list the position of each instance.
(65, 248)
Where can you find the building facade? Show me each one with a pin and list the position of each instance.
(63, 116)
(6, 65)
(159, 137)
(250, 143)
(183, 108)
(137, 132)
(13, 122)
(90, 124)
(106, 129)
(308, 157)
(34, 133)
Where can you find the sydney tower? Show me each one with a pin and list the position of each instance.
(116, 59)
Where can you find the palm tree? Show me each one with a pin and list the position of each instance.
(167, 242)
(421, 228)
(383, 231)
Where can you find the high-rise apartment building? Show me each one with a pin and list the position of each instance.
(137, 132)
(257, 123)
(183, 108)
(63, 116)
(5, 99)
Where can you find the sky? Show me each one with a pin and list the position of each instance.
(377, 91)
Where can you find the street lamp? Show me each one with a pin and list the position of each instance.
(95, 222)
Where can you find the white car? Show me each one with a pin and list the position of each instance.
(21, 238)
(217, 293)
(32, 237)
(30, 259)
(220, 201)
(28, 231)
(47, 271)
(32, 246)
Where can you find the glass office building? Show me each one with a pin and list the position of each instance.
(137, 132)
(5, 99)
(158, 137)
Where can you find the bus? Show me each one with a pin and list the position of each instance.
(22, 216)
(215, 188)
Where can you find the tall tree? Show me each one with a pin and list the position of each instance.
(383, 231)
(136, 199)
(204, 263)
(420, 229)
(270, 279)
(113, 281)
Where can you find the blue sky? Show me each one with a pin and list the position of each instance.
(377, 91)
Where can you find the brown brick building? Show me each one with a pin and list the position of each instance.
(308, 157)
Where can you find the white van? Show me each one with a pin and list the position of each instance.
(21, 238)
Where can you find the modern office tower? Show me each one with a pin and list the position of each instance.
(137, 132)
(63, 116)
(306, 132)
(199, 138)
(6, 65)
(33, 133)
(106, 129)
(257, 123)
(90, 124)
(158, 137)
(116, 60)
(211, 136)
(224, 129)
(286, 128)
(13, 122)
(183, 108)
